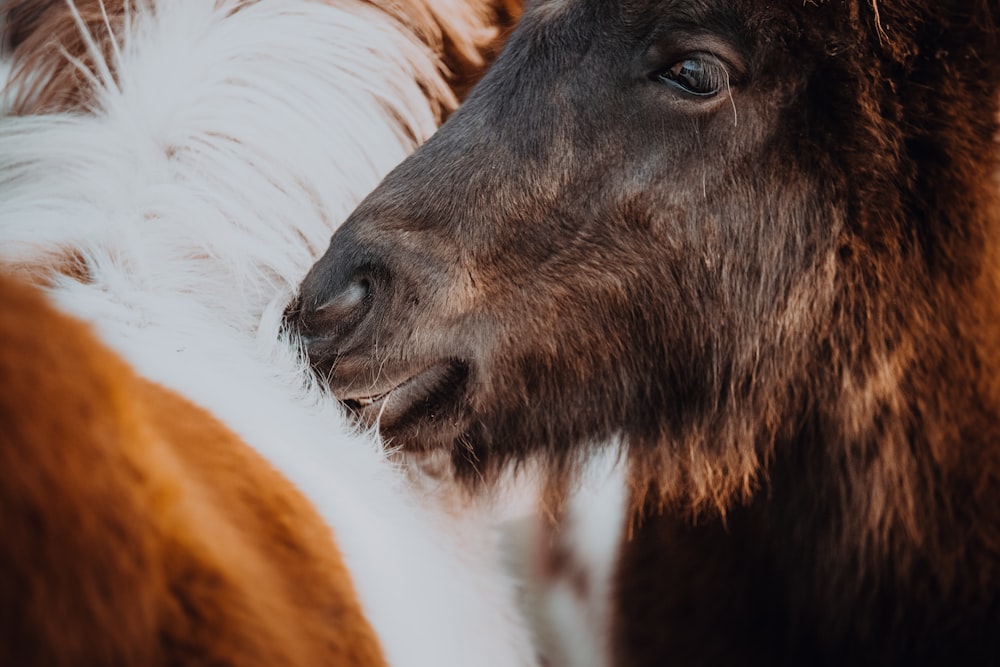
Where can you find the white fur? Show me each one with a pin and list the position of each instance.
(592, 531)
(572, 625)
(199, 189)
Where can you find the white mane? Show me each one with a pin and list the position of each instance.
(223, 146)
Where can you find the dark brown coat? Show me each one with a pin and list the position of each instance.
(759, 243)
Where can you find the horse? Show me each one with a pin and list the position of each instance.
(168, 171)
(755, 244)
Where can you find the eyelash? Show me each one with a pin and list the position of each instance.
(698, 74)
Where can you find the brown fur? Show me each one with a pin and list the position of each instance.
(44, 39)
(137, 530)
(782, 296)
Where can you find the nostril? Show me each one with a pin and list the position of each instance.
(325, 329)
(347, 305)
(338, 294)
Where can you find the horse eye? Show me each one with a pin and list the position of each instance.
(696, 75)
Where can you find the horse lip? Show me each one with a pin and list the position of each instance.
(387, 406)
(371, 396)
(347, 389)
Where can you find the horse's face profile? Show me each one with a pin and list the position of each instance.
(640, 225)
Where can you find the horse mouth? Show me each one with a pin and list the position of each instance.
(422, 397)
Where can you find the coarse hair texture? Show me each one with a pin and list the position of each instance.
(756, 244)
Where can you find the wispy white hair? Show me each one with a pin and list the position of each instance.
(222, 145)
